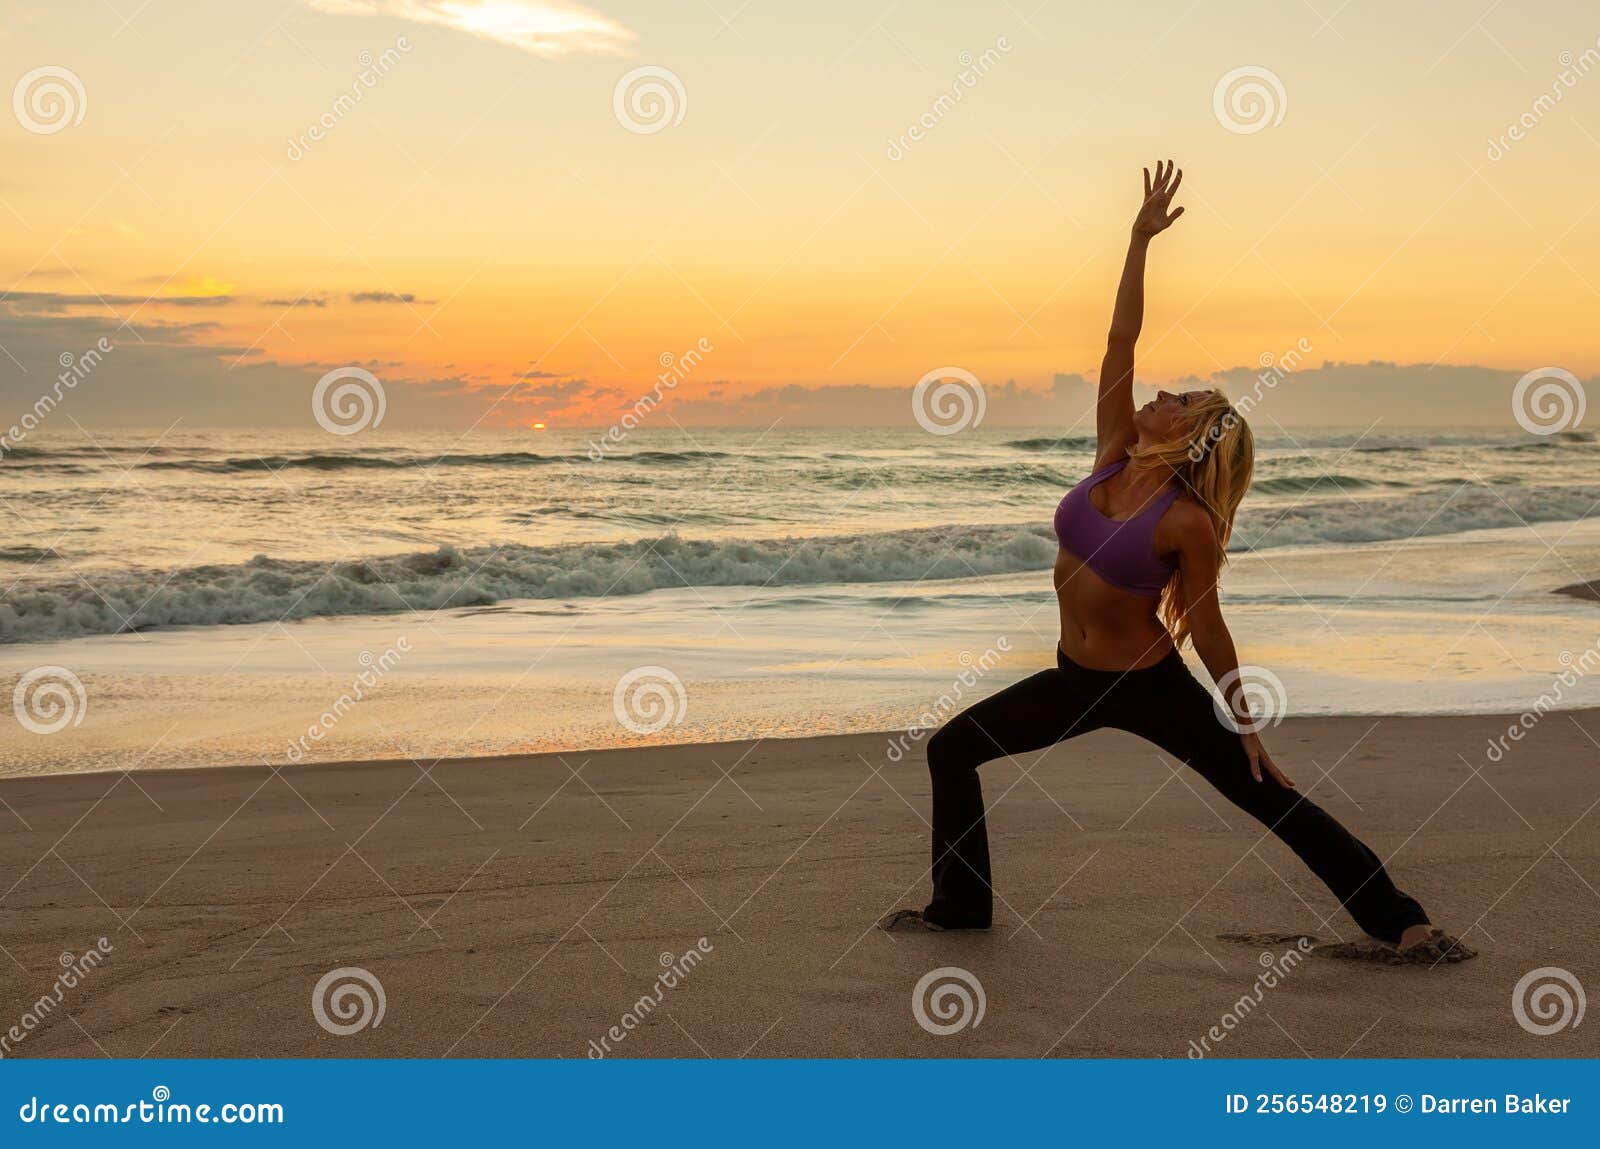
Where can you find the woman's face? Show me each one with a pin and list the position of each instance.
(1163, 418)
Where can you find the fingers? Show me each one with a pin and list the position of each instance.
(1166, 177)
(1258, 756)
(1278, 776)
(1163, 184)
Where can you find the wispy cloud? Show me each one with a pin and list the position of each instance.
(542, 27)
(384, 297)
(56, 301)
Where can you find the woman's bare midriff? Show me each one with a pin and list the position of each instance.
(1104, 627)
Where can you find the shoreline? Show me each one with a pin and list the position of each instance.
(1431, 627)
(518, 905)
(893, 735)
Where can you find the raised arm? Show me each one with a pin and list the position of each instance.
(1114, 412)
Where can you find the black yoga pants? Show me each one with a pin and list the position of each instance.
(1167, 706)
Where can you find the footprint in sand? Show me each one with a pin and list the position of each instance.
(1439, 948)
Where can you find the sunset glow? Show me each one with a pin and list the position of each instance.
(470, 196)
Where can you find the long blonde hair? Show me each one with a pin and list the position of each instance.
(1213, 456)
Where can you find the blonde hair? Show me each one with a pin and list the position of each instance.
(1213, 457)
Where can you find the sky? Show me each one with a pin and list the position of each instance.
(513, 212)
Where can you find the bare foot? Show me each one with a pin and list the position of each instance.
(1432, 945)
(908, 921)
(1413, 935)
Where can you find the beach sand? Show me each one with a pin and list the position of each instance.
(519, 907)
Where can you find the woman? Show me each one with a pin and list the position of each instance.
(1143, 540)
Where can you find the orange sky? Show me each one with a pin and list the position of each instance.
(482, 211)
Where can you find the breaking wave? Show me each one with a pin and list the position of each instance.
(268, 589)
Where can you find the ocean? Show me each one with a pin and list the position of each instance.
(782, 581)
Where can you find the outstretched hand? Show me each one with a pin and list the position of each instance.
(1153, 217)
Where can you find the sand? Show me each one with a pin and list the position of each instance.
(520, 907)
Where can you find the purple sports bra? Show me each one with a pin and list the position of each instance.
(1120, 551)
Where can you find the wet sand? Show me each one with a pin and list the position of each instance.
(523, 907)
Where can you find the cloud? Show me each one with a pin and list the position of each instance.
(62, 272)
(564, 390)
(542, 27)
(181, 371)
(448, 387)
(1355, 394)
(1333, 394)
(384, 297)
(303, 301)
(53, 301)
(197, 372)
